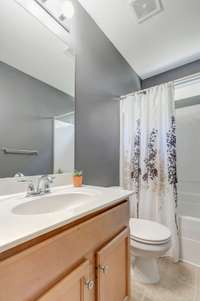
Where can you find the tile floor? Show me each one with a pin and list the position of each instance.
(179, 282)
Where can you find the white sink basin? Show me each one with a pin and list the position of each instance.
(53, 203)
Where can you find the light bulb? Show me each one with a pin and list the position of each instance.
(68, 9)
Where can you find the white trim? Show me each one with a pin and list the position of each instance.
(121, 145)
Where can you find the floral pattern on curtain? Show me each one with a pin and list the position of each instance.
(151, 171)
(148, 156)
(171, 151)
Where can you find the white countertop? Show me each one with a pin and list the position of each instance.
(16, 229)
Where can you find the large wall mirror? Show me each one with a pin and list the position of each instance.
(37, 95)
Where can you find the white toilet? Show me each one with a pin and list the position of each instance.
(149, 240)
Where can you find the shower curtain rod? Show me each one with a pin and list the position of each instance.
(178, 82)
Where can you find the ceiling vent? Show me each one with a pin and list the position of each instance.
(145, 9)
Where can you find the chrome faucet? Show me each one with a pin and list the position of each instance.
(39, 189)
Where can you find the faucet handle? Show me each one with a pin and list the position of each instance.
(47, 186)
(50, 179)
(31, 188)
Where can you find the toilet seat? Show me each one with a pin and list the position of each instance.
(149, 232)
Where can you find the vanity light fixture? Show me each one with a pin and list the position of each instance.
(67, 9)
(61, 11)
(56, 15)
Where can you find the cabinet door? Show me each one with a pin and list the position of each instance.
(74, 287)
(113, 269)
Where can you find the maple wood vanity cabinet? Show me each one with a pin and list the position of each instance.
(87, 260)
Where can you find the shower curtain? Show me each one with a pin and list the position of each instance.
(148, 156)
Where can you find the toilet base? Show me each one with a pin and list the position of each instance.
(146, 270)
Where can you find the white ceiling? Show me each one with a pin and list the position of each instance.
(168, 40)
(30, 47)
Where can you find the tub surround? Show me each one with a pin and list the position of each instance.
(189, 222)
(20, 228)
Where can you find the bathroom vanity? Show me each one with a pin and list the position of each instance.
(77, 254)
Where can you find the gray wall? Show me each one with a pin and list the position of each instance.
(101, 75)
(26, 110)
(171, 75)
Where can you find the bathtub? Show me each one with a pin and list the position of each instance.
(189, 222)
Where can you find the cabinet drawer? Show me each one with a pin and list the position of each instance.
(27, 275)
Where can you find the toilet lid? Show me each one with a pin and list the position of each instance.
(148, 231)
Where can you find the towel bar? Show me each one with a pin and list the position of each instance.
(9, 151)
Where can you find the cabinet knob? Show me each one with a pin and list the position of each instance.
(104, 268)
(89, 284)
